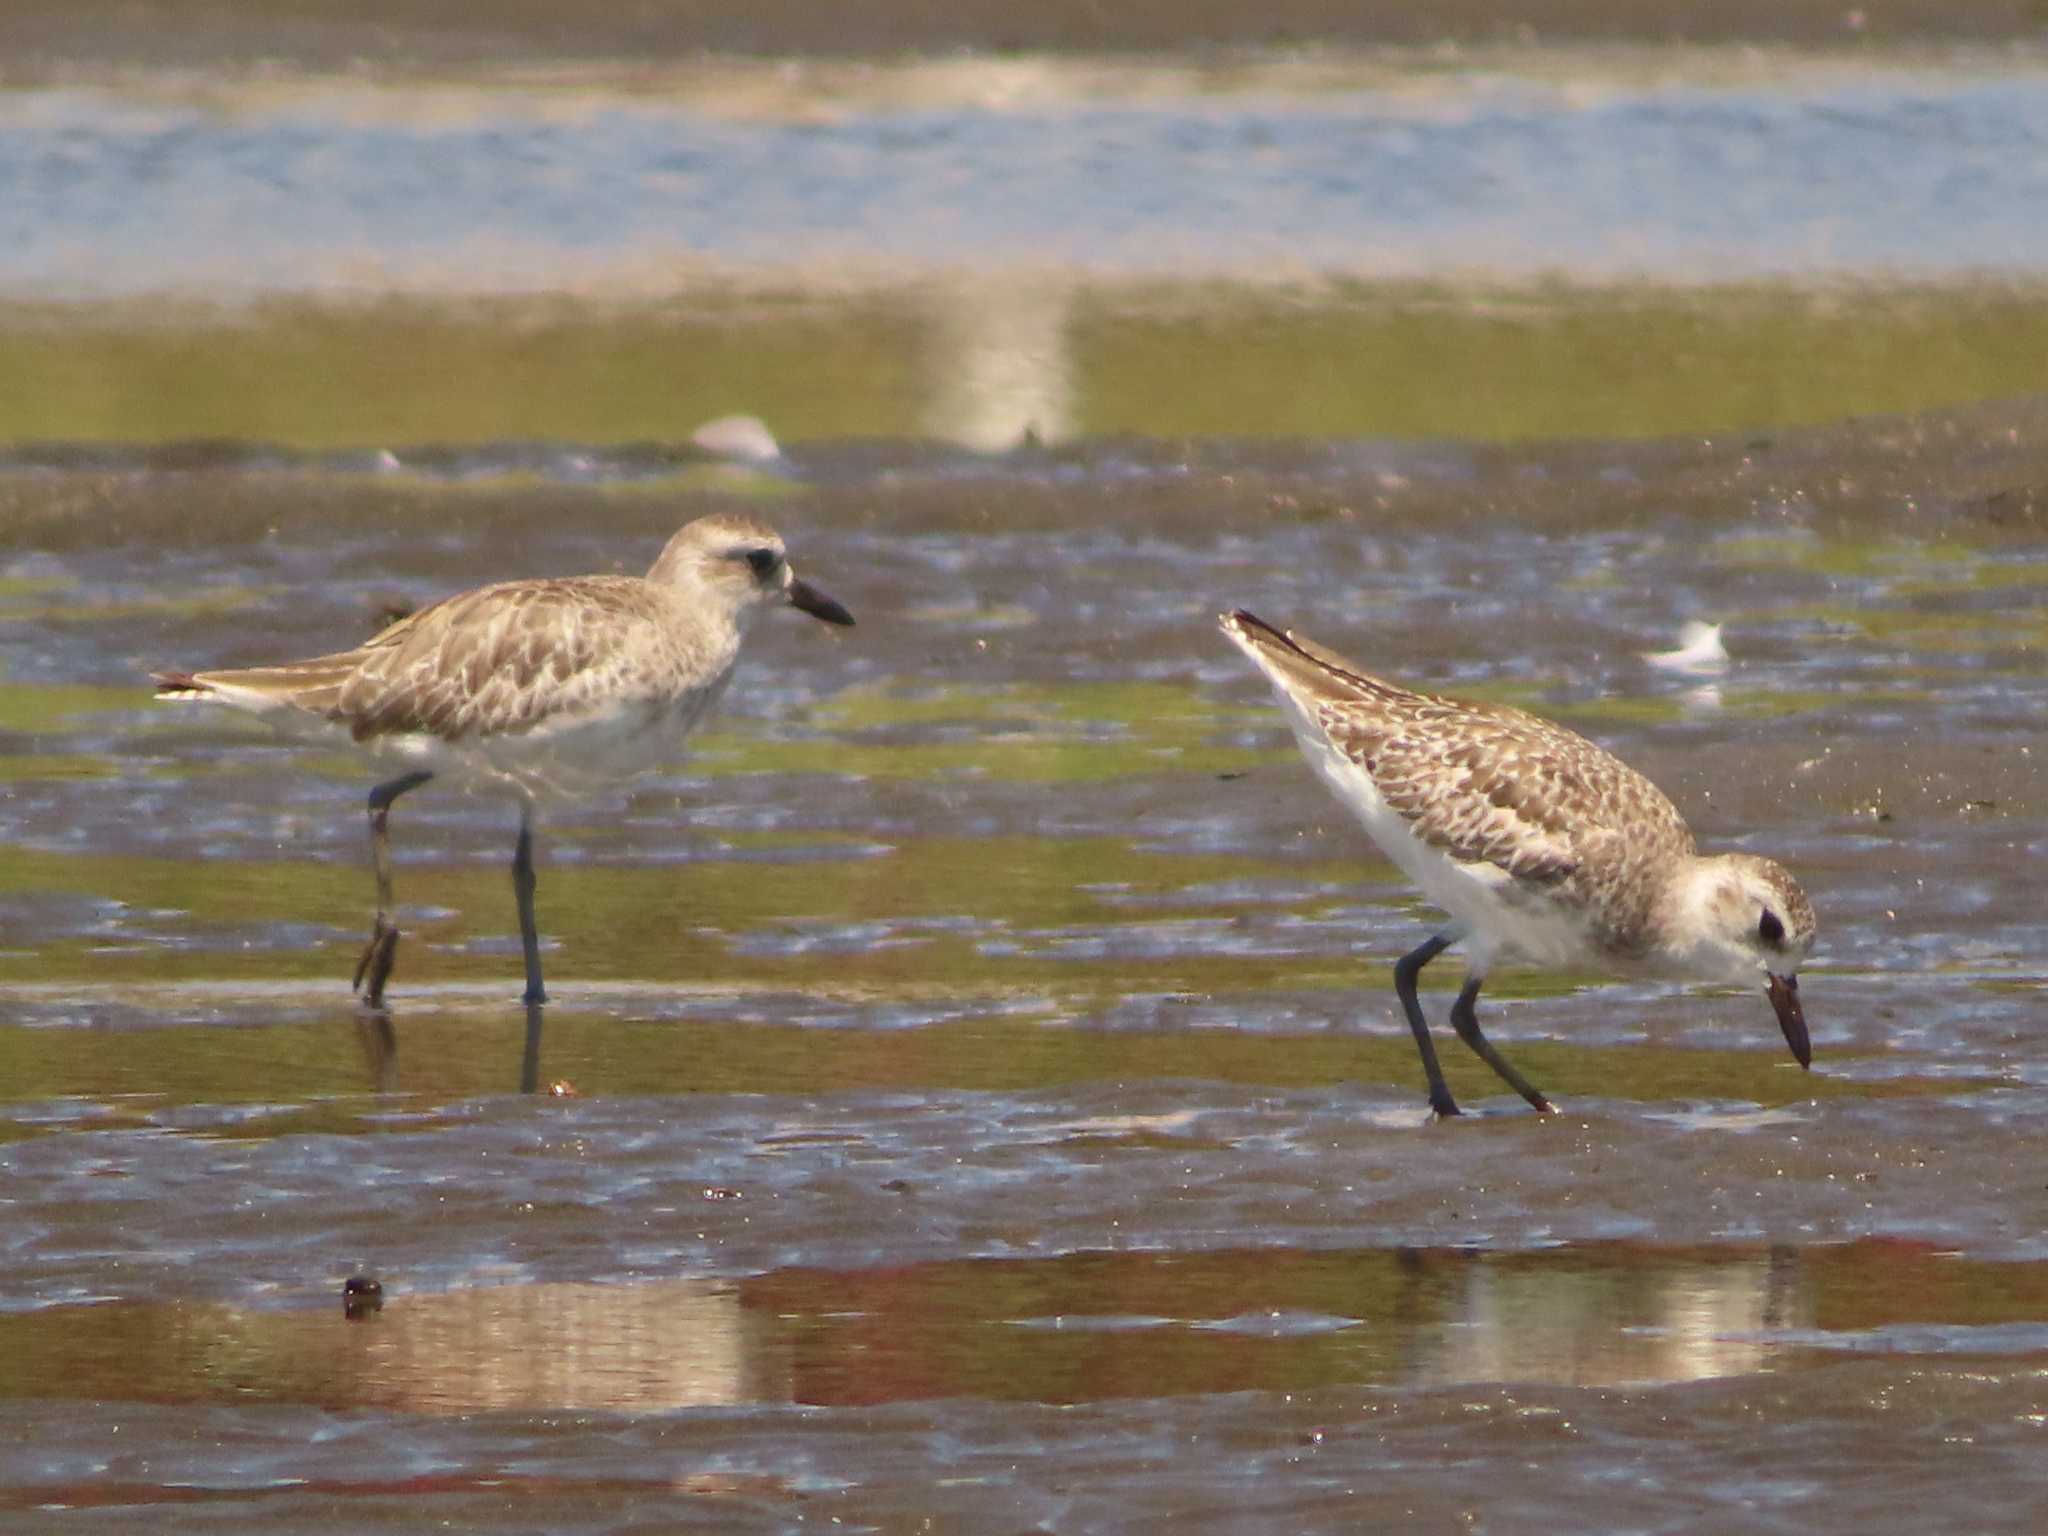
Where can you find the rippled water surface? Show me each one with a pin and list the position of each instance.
(972, 1096)
(972, 1089)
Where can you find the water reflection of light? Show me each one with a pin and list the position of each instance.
(999, 367)
(1703, 700)
(1513, 1321)
(589, 1347)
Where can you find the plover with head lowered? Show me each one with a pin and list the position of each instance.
(530, 688)
(1542, 847)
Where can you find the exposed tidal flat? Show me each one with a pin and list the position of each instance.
(973, 1097)
(973, 1064)
(383, 35)
(984, 362)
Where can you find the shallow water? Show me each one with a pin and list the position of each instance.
(972, 1092)
(1738, 169)
(973, 1097)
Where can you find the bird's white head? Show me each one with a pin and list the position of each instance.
(737, 565)
(1744, 920)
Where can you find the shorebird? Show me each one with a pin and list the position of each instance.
(529, 688)
(1540, 846)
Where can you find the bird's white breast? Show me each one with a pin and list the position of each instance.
(1501, 917)
(601, 743)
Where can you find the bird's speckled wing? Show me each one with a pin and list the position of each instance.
(1483, 784)
(1495, 785)
(505, 658)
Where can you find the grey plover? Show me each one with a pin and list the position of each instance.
(1540, 846)
(530, 688)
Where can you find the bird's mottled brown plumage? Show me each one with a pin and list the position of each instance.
(504, 658)
(1537, 843)
(539, 685)
(532, 687)
(1492, 784)
(497, 659)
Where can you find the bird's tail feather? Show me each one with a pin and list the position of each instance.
(179, 685)
(1294, 658)
(309, 685)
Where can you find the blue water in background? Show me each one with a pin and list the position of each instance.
(1900, 173)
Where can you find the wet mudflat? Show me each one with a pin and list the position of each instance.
(973, 1090)
(68, 37)
(973, 1096)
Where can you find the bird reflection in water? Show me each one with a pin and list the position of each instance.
(378, 1036)
(1589, 1321)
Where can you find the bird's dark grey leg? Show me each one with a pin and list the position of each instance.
(374, 968)
(1405, 971)
(522, 887)
(1466, 1022)
(380, 1049)
(529, 1060)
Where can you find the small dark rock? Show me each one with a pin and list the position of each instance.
(361, 1296)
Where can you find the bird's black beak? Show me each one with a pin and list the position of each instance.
(807, 597)
(1784, 991)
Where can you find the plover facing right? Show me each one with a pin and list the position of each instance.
(530, 688)
(1540, 846)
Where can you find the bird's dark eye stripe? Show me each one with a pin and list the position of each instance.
(1770, 929)
(763, 561)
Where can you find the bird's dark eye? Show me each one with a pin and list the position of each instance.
(763, 562)
(1769, 929)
